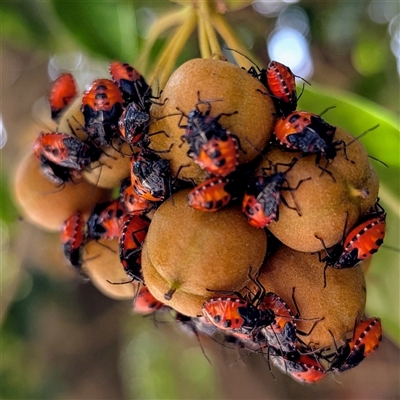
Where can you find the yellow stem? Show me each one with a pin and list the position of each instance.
(160, 25)
(178, 48)
(168, 57)
(233, 42)
(205, 14)
(203, 39)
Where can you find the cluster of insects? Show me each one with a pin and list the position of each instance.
(117, 111)
(264, 324)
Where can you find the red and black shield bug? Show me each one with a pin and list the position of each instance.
(105, 220)
(283, 333)
(261, 199)
(364, 240)
(65, 150)
(73, 238)
(145, 303)
(306, 132)
(150, 176)
(133, 124)
(236, 315)
(262, 196)
(133, 232)
(131, 201)
(219, 156)
(366, 338)
(301, 367)
(310, 134)
(63, 91)
(211, 195)
(360, 243)
(101, 95)
(281, 83)
(273, 302)
(255, 343)
(131, 83)
(56, 174)
(211, 146)
(102, 106)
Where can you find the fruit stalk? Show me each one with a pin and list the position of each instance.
(205, 13)
(233, 42)
(168, 57)
(164, 23)
(204, 46)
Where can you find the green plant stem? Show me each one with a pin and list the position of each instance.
(204, 46)
(205, 12)
(162, 24)
(233, 42)
(176, 43)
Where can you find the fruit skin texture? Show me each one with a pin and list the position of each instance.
(192, 251)
(340, 303)
(102, 263)
(229, 88)
(322, 202)
(47, 205)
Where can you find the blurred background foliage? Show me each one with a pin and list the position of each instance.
(61, 338)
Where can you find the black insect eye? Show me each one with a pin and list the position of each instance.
(294, 118)
(249, 210)
(228, 323)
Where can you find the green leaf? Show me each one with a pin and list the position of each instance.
(8, 212)
(106, 28)
(165, 363)
(24, 22)
(356, 115)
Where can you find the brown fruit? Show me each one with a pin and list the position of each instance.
(321, 201)
(228, 89)
(187, 252)
(340, 303)
(47, 205)
(102, 265)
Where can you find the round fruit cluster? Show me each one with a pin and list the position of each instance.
(241, 215)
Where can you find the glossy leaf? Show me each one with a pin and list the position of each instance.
(356, 115)
(25, 23)
(165, 363)
(106, 28)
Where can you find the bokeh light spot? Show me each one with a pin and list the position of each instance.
(368, 57)
(290, 47)
(3, 134)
